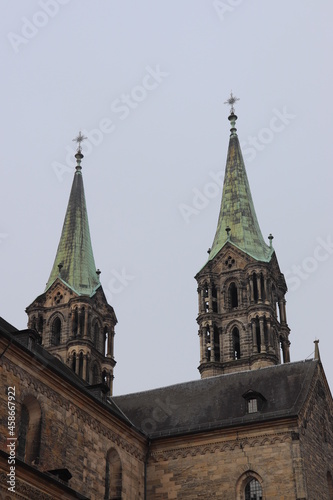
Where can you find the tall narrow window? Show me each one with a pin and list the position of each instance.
(75, 322)
(81, 365)
(236, 343)
(113, 476)
(29, 431)
(56, 332)
(233, 295)
(253, 490)
(96, 336)
(216, 343)
(208, 343)
(74, 362)
(214, 297)
(81, 322)
(255, 288)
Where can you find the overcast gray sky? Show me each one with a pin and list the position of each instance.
(146, 82)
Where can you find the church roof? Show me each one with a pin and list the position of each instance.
(237, 209)
(74, 254)
(220, 401)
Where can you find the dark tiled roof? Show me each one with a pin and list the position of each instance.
(218, 402)
(21, 338)
(6, 327)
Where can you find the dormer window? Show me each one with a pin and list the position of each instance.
(252, 405)
(254, 401)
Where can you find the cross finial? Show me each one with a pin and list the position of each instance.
(80, 138)
(231, 101)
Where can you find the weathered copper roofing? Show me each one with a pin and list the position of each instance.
(237, 209)
(74, 254)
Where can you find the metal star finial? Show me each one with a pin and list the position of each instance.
(231, 101)
(80, 138)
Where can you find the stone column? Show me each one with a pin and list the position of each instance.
(85, 329)
(251, 290)
(204, 343)
(79, 333)
(259, 288)
(77, 364)
(282, 311)
(266, 290)
(262, 335)
(84, 368)
(210, 299)
(269, 335)
(254, 336)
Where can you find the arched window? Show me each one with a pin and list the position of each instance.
(233, 295)
(113, 476)
(81, 365)
(253, 490)
(74, 362)
(56, 332)
(236, 343)
(29, 431)
(330, 485)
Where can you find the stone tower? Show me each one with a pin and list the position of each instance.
(72, 316)
(242, 315)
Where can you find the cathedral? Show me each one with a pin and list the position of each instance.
(253, 426)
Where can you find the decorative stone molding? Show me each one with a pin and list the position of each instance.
(23, 490)
(220, 446)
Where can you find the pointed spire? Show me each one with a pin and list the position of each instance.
(74, 262)
(238, 222)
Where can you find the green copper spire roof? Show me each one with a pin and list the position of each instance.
(74, 262)
(238, 222)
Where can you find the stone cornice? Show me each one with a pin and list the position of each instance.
(220, 446)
